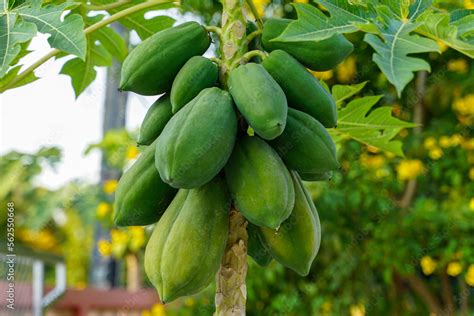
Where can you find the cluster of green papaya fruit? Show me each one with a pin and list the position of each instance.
(246, 143)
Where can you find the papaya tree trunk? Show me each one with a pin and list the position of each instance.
(231, 292)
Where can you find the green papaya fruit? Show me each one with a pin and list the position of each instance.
(296, 243)
(259, 182)
(186, 247)
(141, 196)
(155, 120)
(305, 145)
(303, 91)
(316, 55)
(256, 248)
(259, 98)
(324, 176)
(198, 140)
(151, 67)
(197, 74)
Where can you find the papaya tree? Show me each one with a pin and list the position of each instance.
(230, 139)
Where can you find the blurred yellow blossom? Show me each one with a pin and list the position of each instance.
(327, 307)
(456, 140)
(468, 144)
(137, 237)
(442, 46)
(469, 4)
(158, 310)
(445, 141)
(471, 204)
(260, 5)
(103, 209)
(324, 75)
(132, 152)
(104, 247)
(358, 310)
(41, 239)
(300, 1)
(454, 269)
(471, 173)
(435, 153)
(372, 161)
(409, 169)
(110, 186)
(428, 265)
(429, 143)
(464, 106)
(347, 70)
(382, 173)
(470, 275)
(146, 313)
(118, 236)
(458, 65)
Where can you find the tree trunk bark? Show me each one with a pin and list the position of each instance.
(423, 291)
(104, 273)
(231, 291)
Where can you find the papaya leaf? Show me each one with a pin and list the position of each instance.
(112, 41)
(82, 72)
(313, 25)
(66, 35)
(394, 45)
(375, 127)
(12, 34)
(438, 26)
(11, 74)
(342, 92)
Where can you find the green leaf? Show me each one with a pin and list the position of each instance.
(395, 44)
(376, 128)
(66, 35)
(313, 25)
(83, 73)
(146, 27)
(437, 26)
(343, 92)
(11, 74)
(12, 34)
(112, 41)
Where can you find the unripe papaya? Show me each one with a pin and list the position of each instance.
(303, 91)
(256, 248)
(319, 56)
(155, 120)
(151, 67)
(259, 182)
(259, 98)
(186, 247)
(296, 243)
(316, 176)
(197, 74)
(141, 195)
(198, 140)
(305, 145)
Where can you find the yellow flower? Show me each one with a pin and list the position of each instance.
(260, 5)
(381, 173)
(327, 307)
(104, 247)
(428, 265)
(132, 152)
(409, 169)
(442, 46)
(470, 275)
(435, 153)
(471, 204)
(445, 141)
(471, 173)
(468, 144)
(110, 186)
(300, 1)
(373, 161)
(158, 310)
(464, 106)
(468, 4)
(146, 313)
(103, 209)
(458, 65)
(137, 237)
(429, 143)
(454, 269)
(324, 75)
(456, 140)
(358, 310)
(347, 70)
(118, 236)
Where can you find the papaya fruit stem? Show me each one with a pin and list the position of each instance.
(248, 56)
(214, 29)
(253, 35)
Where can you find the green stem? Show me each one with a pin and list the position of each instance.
(254, 11)
(247, 56)
(87, 31)
(254, 34)
(214, 29)
(105, 7)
